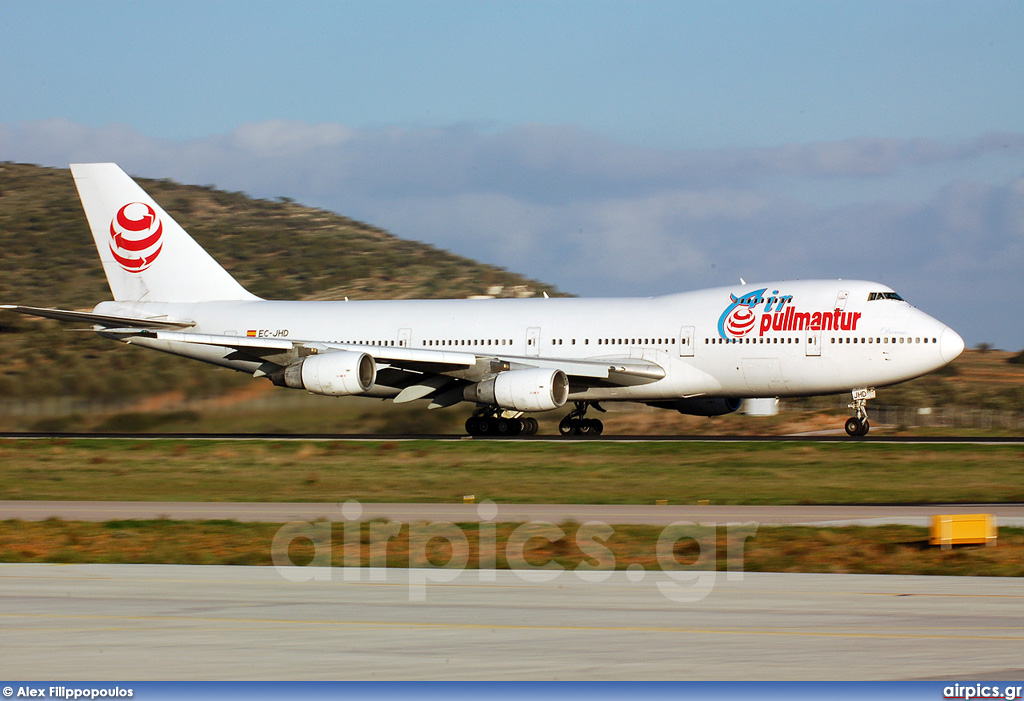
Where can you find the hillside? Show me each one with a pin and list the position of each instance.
(276, 249)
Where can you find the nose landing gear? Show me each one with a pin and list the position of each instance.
(857, 426)
(575, 424)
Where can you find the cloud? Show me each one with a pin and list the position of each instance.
(941, 221)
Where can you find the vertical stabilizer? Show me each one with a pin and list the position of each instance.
(146, 255)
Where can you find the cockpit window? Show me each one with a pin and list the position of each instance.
(872, 296)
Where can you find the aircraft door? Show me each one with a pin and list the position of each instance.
(404, 337)
(686, 342)
(533, 341)
(841, 299)
(812, 344)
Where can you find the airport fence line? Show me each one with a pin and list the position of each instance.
(50, 407)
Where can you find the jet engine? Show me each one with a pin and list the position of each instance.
(536, 389)
(701, 406)
(335, 374)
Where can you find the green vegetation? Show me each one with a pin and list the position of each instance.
(509, 472)
(855, 549)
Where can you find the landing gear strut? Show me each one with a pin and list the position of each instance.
(859, 425)
(495, 421)
(576, 425)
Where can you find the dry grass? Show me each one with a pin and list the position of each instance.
(877, 550)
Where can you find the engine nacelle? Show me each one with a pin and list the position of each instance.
(536, 389)
(335, 374)
(702, 406)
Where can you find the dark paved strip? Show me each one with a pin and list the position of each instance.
(967, 440)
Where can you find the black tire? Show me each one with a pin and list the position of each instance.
(853, 426)
(485, 426)
(567, 427)
(865, 426)
(530, 426)
(597, 428)
(473, 425)
(508, 427)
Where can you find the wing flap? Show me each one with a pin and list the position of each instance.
(618, 371)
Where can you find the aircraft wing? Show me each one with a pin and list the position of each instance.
(423, 361)
(460, 365)
(160, 322)
(267, 348)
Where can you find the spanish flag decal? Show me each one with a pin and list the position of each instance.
(251, 333)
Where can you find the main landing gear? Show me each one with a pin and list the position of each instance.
(576, 425)
(492, 421)
(857, 426)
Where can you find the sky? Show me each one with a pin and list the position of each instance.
(609, 148)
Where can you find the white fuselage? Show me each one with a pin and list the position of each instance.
(771, 339)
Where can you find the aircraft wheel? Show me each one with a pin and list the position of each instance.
(530, 426)
(567, 427)
(865, 426)
(585, 427)
(485, 426)
(596, 427)
(508, 427)
(853, 426)
(473, 425)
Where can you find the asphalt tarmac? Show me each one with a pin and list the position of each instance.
(143, 622)
(615, 514)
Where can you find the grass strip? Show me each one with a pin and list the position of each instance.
(510, 472)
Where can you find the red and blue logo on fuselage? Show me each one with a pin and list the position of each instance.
(742, 317)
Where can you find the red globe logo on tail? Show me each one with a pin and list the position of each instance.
(136, 234)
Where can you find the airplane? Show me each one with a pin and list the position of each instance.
(698, 353)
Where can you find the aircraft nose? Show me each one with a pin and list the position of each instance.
(950, 345)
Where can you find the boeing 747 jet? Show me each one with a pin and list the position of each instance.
(696, 352)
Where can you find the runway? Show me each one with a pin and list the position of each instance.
(615, 514)
(175, 622)
(809, 438)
